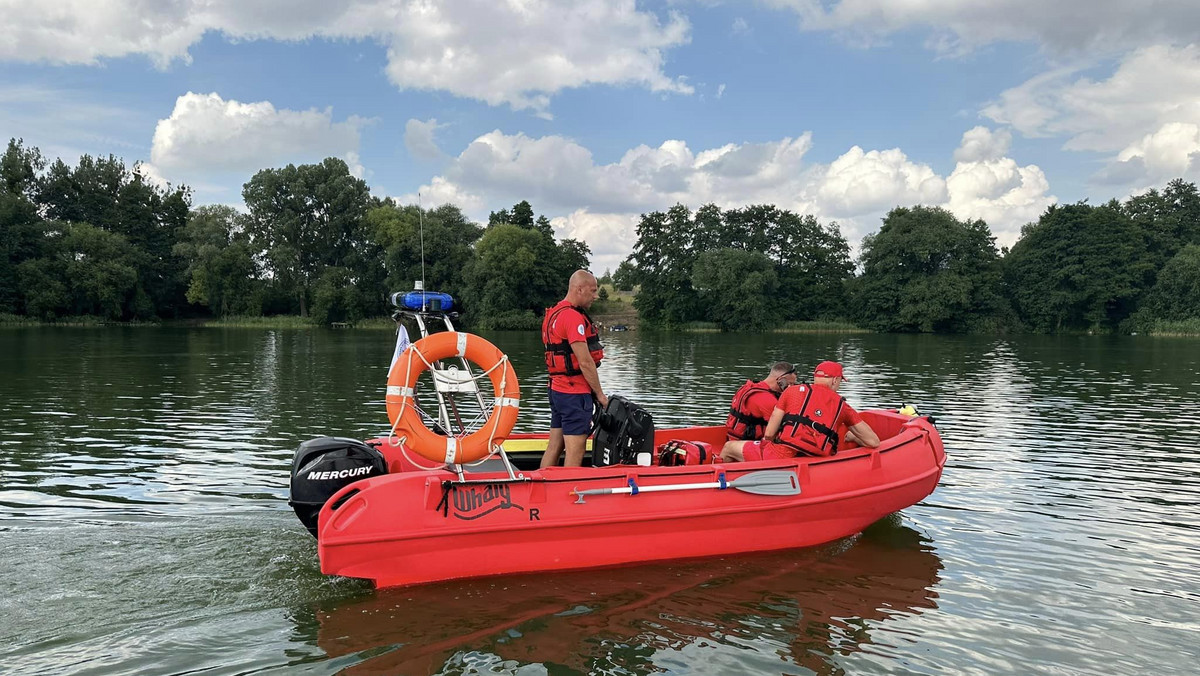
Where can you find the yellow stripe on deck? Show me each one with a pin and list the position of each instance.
(527, 445)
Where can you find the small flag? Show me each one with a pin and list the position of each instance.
(402, 344)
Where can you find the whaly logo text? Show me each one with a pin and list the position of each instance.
(474, 502)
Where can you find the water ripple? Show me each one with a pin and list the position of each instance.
(143, 477)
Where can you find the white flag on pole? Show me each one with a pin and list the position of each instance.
(401, 345)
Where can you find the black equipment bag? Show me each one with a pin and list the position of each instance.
(322, 466)
(623, 429)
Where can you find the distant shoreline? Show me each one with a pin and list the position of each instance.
(1168, 330)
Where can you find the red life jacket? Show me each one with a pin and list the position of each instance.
(741, 424)
(676, 452)
(560, 359)
(811, 430)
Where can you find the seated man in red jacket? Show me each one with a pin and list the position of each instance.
(753, 403)
(808, 420)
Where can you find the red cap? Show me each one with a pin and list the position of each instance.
(829, 369)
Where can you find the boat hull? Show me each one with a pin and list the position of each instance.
(421, 526)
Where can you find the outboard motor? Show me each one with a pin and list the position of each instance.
(324, 465)
(623, 429)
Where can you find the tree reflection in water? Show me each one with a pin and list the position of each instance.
(801, 607)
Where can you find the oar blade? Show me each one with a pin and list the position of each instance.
(768, 482)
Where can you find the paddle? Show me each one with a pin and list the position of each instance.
(765, 482)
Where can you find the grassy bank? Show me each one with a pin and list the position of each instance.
(820, 327)
(295, 322)
(788, 327)
(1187, 327)
(82, 320)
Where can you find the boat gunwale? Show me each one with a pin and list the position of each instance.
(757, 506)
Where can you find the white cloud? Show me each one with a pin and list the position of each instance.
(1151, 87)
(602, 202)
(517, 53)
(955, 26)
(1137, 114)
(610, 236)
(207, 136)
(1000, 192)
(441, 191)
(980, 143)
(1170, 152)
(861, 182)
(418, 138)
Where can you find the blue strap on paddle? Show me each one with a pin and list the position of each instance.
(633, 486)
(721, 478)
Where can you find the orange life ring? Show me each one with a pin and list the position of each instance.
(401, 397)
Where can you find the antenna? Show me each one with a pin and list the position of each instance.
(421, 221)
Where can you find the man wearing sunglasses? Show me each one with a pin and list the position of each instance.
(809, 419)
(754, 402)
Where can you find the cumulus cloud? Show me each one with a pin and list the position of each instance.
(1137, 115)
(1000, 192)
(1149, 88)
(1173, 150)
(513, 53)
(207, 135)
(418, 138)
(610, 236)
(602, 202)
(860, 182)
(956, 26)
(980, 143)
(441, 191)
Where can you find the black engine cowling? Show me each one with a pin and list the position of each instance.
(623, 429)
(324, 465)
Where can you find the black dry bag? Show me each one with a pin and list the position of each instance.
(623, 429)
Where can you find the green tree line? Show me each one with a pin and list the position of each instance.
(98, 239)
(1130, 266)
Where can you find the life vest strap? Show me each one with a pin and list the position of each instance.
(563, 349)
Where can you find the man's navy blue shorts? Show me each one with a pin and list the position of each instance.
(571, 412)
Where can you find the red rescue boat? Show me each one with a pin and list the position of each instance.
(413, 526)
(389, 511)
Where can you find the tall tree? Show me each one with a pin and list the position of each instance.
(220, 269)
(21, 232)
(1171, 218)
(738, 289)
(498, 294)
(304, 219)
(1176, 293)
(448, 241)
(927, 271)
(625, 278)
(1079, 267)
(814, 266)
(664, 256)
(20, 170)
(101, 272)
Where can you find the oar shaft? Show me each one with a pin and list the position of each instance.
(765, 482)
(646, 489)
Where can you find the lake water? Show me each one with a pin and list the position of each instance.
(144, 527)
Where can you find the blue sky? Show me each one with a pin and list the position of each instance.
(598, 111)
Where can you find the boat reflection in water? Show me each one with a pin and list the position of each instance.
(803, 607)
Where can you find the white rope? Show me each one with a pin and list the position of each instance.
(403, 399)
(501, 401)
(404, 452)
